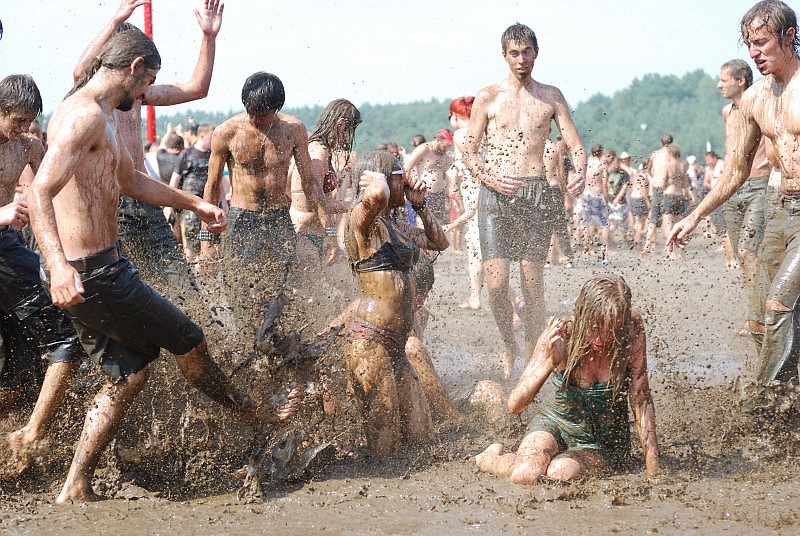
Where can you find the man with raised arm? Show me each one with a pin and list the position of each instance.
(122, 323)
(768, 108)
(514, 217)
(145, 236)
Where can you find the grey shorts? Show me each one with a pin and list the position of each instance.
(517, 227)
(745, 214)
(123, 324)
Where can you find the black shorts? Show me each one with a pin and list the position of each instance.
(31, 316)
(123, 324)
(266, 238)
(518, 227)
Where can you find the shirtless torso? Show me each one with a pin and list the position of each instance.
(26, 150)
(596, 177)
(658, 167)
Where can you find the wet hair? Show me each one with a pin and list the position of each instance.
(518, 33)
(597, 149)
(377, 161)
(604, 303)
(739, 70)
(263, 92)
(173, 141)
(666, 139)
(418, 140)
(18, 92)
(423, 275)
(205, 128)
(325, 131)
(776, 16)
(462, 106)
(119, 52)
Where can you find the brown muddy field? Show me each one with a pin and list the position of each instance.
(172, 469)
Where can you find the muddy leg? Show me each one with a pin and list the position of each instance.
(429, 379)
(415, 411)
(102, 421)
(497, 272)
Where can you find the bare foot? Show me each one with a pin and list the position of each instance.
(23, 451)
(253, 414)
(75, 496)
(471, 306)
(485, 457)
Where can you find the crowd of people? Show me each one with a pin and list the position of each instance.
(262, 195)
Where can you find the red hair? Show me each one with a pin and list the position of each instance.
(462, 106)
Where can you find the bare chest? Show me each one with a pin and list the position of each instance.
(13, 159)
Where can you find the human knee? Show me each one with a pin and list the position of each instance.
(524, 473)
(563, 469)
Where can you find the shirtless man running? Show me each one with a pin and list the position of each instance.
(595, 201)
(768, 108)
(514, 217)
(122, 322)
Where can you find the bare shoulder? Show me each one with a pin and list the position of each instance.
(228, 129)
(291, 122)
(488, 94)
(31, 145)
(549, 92)
(78, 118)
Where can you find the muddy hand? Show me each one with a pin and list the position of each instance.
(290, 409)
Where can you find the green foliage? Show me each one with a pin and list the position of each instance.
(689, 108)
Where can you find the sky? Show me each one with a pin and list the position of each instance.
(387, 52)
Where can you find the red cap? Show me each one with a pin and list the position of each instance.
(446, 135)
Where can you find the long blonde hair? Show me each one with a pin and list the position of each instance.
(604, 301)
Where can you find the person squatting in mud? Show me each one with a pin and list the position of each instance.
(768, 108)
(382, 252)
(596, 357)
(122, 323)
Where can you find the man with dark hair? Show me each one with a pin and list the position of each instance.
(122, 322)
(429, 161)
(658, 181)
(745, 216)
(514, 218)
(258, 146)
(28, 315)
(768, 108)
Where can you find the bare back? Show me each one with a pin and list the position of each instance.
(14, 156)
(658, 167)
(431, 167)
(596, 175)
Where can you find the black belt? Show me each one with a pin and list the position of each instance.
(98, 260)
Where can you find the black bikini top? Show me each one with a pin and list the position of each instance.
(397, 253)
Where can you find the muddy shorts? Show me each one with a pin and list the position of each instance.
(191, 230)
(264, 238)
(148, 241)
(673, 204)
(638, 206)
(595, 211)
(123, 324)
(516, 227)
(437, 204)
(745, 214)
(32, 317)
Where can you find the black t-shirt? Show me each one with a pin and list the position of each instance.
(166, 164)
(192, 166)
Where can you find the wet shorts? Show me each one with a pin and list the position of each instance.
(595, 211)
(745, 214)
(673, 204)
(123, 324)
(638, 206)
(437, 204)
(264, 238)
(517, 227)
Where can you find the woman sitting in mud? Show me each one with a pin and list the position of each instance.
(598, 356)
(382, 251)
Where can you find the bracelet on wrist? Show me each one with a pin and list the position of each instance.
(330, 231)
(420, 208)
(207, 236)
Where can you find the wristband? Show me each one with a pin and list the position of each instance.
(330, 231)
(420, 208)
(207, 236)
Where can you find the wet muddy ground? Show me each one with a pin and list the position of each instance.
(172, 469)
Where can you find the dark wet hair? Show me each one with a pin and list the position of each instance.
(325, 131)
(518, 33)
(597, 149)
(604, 301)
(378, 161)
(776, 16)
(118, 53)
(263, 92)
(19, 92)
(739, 71)
(173, 141)
(666, 139)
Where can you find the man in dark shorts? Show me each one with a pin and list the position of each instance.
(258, 146)
(513, 212)
(122, 322)
(430, 161)
(29, 319)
